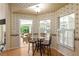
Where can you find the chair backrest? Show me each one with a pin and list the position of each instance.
(52, 36)
(43, 34)
(35, 35)
(29, 36)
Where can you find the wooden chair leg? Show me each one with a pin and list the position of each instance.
(49, 51)
(33, 49)
(37, 47)
(28, 47)
(43, 49)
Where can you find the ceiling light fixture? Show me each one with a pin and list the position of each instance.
(38, 7)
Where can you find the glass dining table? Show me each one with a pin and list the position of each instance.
(38, 41)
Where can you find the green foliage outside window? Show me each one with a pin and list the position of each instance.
(24, 28)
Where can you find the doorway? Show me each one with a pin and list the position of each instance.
(25, 28)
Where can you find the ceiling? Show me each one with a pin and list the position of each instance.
(25, 8)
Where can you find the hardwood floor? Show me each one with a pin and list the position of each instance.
(24, 52)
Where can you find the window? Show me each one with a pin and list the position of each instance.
(45, 26)
(66, 30)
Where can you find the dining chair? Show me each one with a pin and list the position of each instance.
(43, 34)
(31, 41)
(46, 44)
(40, 35)
(25, 39)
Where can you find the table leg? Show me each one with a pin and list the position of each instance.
(33, 49)
(40, 49)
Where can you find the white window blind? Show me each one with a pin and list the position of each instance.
(66, 30)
